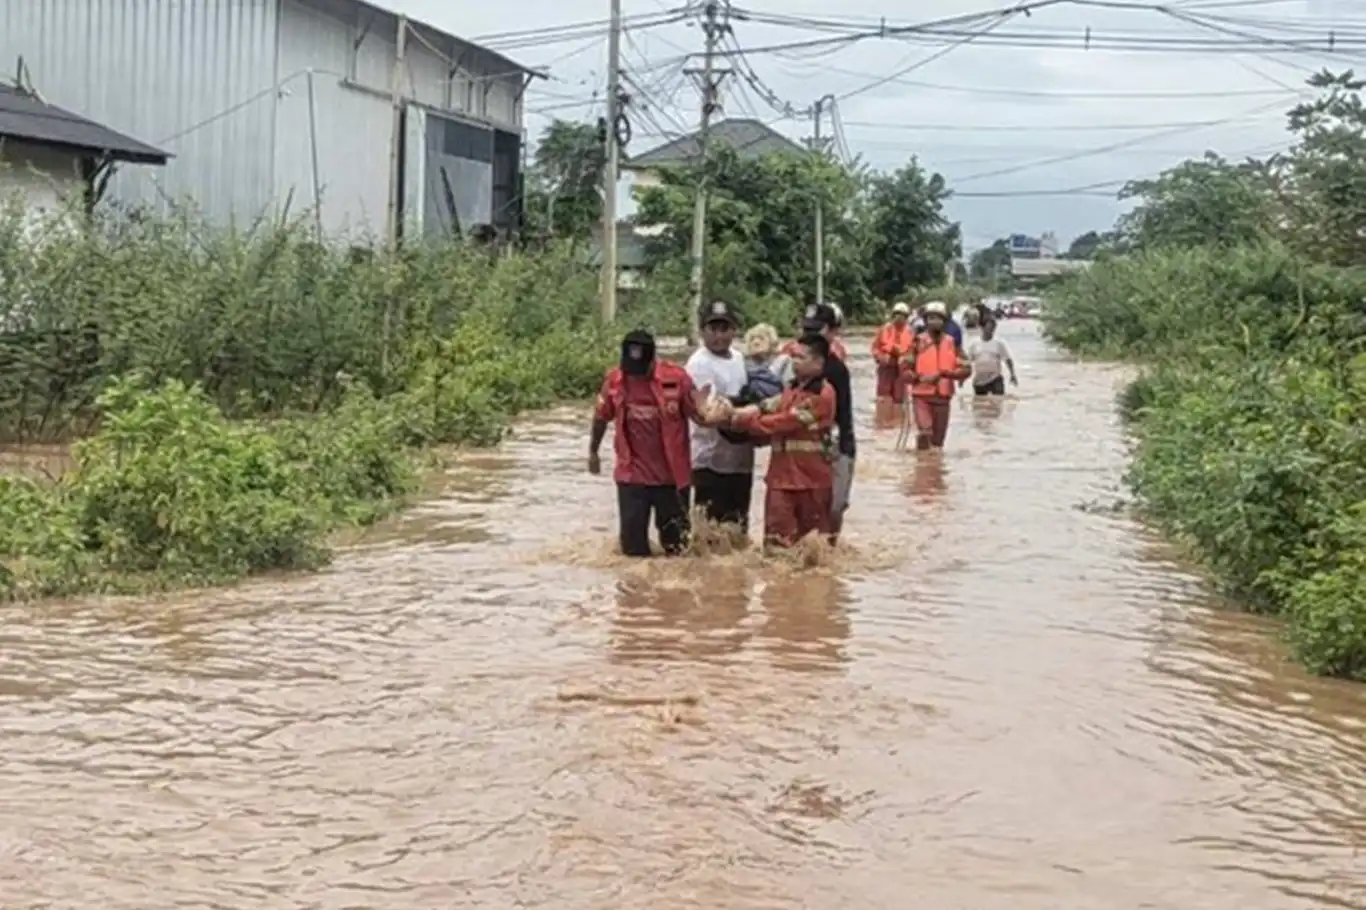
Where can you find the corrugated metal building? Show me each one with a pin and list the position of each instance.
(242, 93)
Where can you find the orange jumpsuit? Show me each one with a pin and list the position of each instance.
(892, 344)
(800, 476)
(932, 401)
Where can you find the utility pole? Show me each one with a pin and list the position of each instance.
(395, 138)
(714, 25)
(610, 172)
(818, 146)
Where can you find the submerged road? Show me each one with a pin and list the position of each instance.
(1004, 695)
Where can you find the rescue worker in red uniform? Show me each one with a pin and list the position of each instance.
(797, 425)
(650, 403)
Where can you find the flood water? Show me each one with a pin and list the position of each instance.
(1007, 696)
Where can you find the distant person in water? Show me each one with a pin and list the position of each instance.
(891, 346)
(991, 361)
(936, 370)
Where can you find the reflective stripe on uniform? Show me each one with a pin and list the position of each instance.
(797, 445)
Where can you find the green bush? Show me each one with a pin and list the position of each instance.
(1249, 422)
(169, 485)
(240, 395)
(266, 322)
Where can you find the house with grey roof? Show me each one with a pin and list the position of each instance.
(49, 154)
(749, 138)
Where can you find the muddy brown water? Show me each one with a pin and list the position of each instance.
(1005, 697)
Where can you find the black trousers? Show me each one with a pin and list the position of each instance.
(725, 497)
(997, 386)
(670, 507)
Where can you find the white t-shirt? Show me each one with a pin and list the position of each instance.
(988, 360)
(727, 377)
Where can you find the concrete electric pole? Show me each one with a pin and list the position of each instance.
(818, 146)
(610, 171)
(715, 23)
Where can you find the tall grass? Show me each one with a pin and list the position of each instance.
(239, 394)
(1249, 421)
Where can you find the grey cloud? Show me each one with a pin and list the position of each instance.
(1026, 108)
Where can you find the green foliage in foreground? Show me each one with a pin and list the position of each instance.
(1242, 292)
(249, 394)
(1249, 422)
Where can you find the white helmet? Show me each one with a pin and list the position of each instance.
(936, 308)
(900, 309)
(839, 314)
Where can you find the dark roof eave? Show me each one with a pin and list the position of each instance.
(128, 156)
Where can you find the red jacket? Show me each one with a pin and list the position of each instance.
(798, 427)
(673, 389)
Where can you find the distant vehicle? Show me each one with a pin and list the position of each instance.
(1023, 308)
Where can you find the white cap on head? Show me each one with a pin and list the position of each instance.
(936, 308)
(901, 309)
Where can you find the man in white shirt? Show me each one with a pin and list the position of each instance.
(990, 361)
(722, 471)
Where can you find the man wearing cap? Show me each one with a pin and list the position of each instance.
(651, 403)
(890, 346)
(822, 319)
(722, 468)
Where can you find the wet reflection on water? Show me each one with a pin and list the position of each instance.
(995, 699)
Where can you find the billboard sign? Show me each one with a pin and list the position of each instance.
(1024, 245)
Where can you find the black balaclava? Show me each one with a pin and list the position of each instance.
(637, 353)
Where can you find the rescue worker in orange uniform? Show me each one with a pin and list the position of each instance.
(650, 402)
(797, 425)
(890, 346)
(934, 373)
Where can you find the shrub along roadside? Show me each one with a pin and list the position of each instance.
(1249, 423)
(244, 395)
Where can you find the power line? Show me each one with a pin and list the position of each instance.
(1039, 93)
(1050, 127)
(919, 64)
(1089, 153)
(558, 34)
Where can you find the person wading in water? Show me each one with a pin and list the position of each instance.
(988, 356)
(722, 468)
(934, 374)
(824, 320)
(651, 403)
(797, 424)
(890, 346)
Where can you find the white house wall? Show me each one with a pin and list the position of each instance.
(45, 182)
(192, 78)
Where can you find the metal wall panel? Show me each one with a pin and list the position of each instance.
(351, 126)
(351, 49)
(193, 77)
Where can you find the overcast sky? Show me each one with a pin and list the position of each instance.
(1046, 118)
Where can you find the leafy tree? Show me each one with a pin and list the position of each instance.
(563, 186)
(913, 239)
(1322, 180)
(1198, 202)
(989, 267)
(990, 261)
(761, 223)
(1085, 245)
